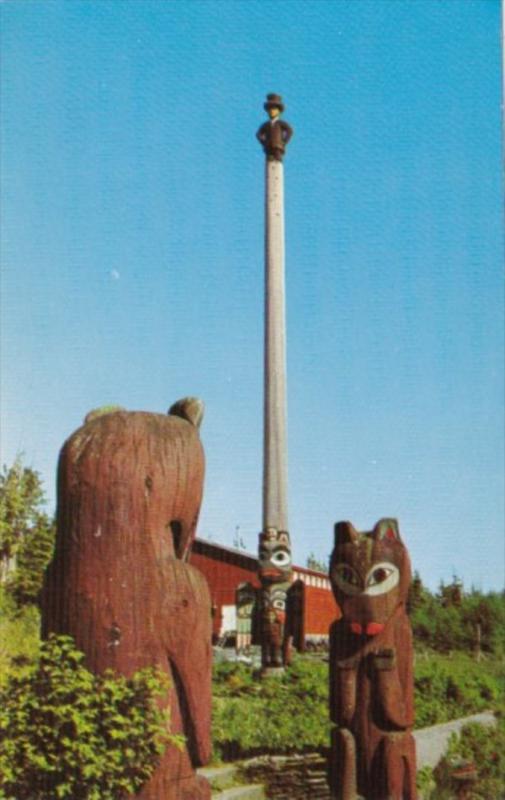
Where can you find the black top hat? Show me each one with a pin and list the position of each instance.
(274, 101)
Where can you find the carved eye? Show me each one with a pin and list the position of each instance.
(382, 578)
(348, 575)
(280, 604)
(281, 558)
(378, 575)
(347, 579)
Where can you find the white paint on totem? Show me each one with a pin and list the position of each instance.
(275, 433)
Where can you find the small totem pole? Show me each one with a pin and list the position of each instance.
(129, 493)
(371, 667)
(275, 576)
(274, 543)
(245, 602)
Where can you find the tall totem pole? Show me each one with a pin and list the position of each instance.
(274, 543)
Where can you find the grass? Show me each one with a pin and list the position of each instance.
(290, 714)
(19, 633)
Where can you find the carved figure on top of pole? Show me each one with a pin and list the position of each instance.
(274, 546)
(371, 666)
(276, 132)
(129, 493)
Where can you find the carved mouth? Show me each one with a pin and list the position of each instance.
(271, 573)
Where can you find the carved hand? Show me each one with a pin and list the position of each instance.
(390, 693)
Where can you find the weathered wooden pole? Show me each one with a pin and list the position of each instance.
(274, 543)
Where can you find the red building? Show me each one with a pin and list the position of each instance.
(226, 568)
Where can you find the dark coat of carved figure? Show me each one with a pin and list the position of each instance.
(129, 494)
(371, 681)
(274, 134)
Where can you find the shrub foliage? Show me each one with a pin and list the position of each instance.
(290, 714)
(446, 688)
(66, 733)
(276, 715)
(452, 619)
(484, 747)
(19, 632)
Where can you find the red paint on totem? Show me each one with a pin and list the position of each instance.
(225, 569)
(371, 678)
(271, 573)
(373, 628)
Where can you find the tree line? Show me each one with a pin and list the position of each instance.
(451, 618)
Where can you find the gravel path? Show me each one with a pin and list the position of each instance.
(431, 743)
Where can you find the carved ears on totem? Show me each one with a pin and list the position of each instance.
(189, 408)
(345, 532)
(100, 412)
(387, 529)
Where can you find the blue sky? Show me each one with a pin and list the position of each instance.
(132, 227)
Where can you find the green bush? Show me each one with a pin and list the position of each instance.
(446, 688)
(19, 632)
(274, 715)
(290, 714)
(484, 747)
(453, 619)
(66, 733)
(426, 784)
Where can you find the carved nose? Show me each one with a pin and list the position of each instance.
(373, 628)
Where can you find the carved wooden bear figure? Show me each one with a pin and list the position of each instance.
(371, 681)
(129, 494)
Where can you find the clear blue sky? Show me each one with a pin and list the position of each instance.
(133, 252)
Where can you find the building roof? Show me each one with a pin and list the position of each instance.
(215, 549)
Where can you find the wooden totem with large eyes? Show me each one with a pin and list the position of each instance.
(371, 660)
(275, 575)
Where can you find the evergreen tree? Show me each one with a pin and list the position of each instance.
(417, 593)
(317, 564)
(26, 532)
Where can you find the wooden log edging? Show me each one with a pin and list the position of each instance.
(292, 777)
(303, 776)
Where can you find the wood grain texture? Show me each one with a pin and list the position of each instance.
(129, 493)
(371, 667)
